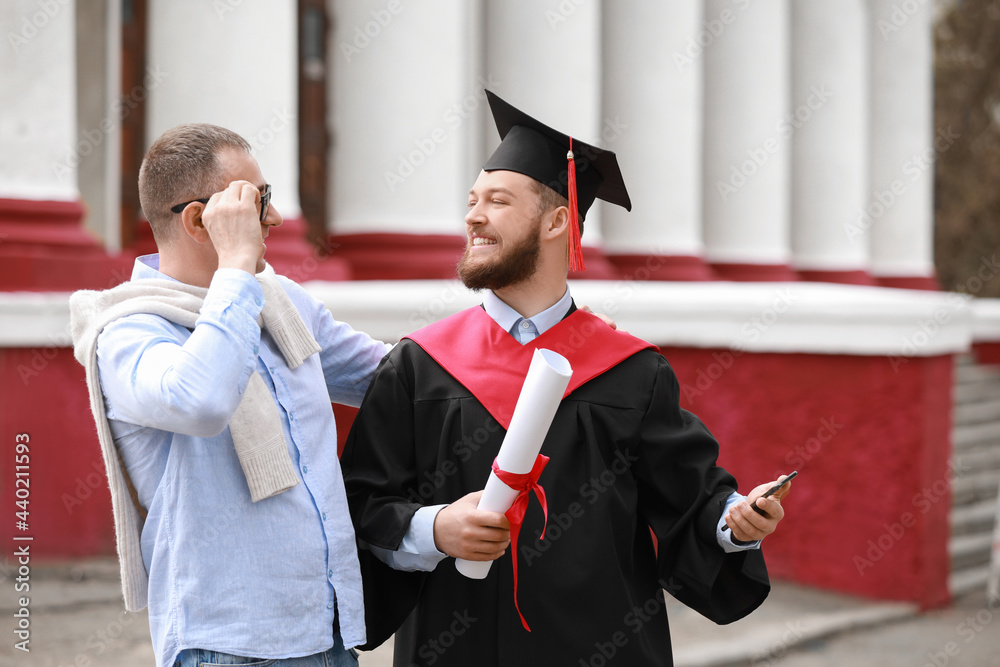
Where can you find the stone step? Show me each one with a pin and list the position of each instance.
(968, 580)
(976, 469)
(975, 373)
(964, 360)
(974, 487)
(974, 435)
(970, 550)
(969, 413)
(974, 459)
(983, 389)
(974, 518)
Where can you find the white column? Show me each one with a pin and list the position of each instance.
(230, 63)
(746, 152)
(404, 101)
(653, 96)
(99, 118)
(545, 58)
(652, 88)
(899, 207)
(829, 126)
(39, 151)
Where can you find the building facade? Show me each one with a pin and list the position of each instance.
(779, 156)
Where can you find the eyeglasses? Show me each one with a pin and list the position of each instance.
(265, 202)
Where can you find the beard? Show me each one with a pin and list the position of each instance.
(513, 264)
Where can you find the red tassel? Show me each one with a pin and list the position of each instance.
(574, 250)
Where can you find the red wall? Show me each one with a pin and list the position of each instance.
(869, 436)
(867, 515)
(987, 353)
(45, 396)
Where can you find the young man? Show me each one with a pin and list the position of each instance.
(624, 457)
(220, 444)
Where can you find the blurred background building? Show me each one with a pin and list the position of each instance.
(780, 156)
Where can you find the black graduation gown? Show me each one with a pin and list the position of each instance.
(624, 458)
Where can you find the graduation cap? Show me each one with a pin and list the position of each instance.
(576, 170)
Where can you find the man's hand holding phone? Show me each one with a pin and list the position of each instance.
(758, 516)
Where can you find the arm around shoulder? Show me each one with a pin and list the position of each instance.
(379, 460)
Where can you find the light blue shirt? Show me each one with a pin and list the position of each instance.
(418, 551)
(227, 574)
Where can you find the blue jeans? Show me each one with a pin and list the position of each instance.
(337, 656)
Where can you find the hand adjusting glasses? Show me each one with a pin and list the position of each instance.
(265, 202)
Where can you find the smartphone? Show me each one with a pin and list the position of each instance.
(773, 490)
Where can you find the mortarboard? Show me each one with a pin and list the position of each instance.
(576, 170)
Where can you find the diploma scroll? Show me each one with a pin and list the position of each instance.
(540, 396)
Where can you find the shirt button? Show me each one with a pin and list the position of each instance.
(256, 300)
(305, 469)
(324, 516)
(329, 573)
(329, 605)
(525, 324)
(256, 349)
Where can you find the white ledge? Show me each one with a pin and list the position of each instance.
(758, 317)
(34, 319)
(986, 320)
(816, 318)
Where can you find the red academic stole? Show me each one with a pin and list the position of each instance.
(491, 364)
(487, 360)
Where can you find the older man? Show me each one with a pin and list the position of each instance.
(207, 376)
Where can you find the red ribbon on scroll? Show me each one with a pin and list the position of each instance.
(525, 483)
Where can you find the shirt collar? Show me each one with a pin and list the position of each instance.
(148, 266)
(507, 317)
